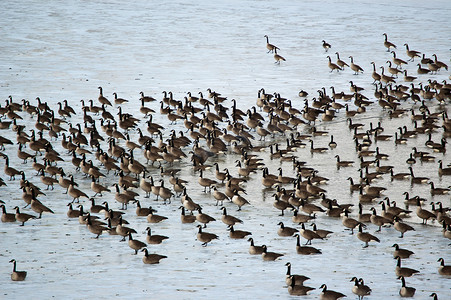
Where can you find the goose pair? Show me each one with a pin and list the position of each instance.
(359, 288)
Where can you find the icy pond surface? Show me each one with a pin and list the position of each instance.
(60, 50)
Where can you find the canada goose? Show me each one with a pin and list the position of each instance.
(72, 213)
(98, 188)
(7, 217)
(122, 197)
(239, 200)
(329, 294)
(205, 237)
(343, 163)
(206, 182)
(292, 277)
(360, 289)
(102, 98)
(379, 220)
(39, 208)
(402, 271)
(278, 58)
(280, 204)
(135, 244)
(340, 62)
(423, 214)
(237, 234)
(142, 211)
(356, 68)
(333, 66)
(229, 219)
(321, 232)
(22, 217)
(204, 218)
(165, 193)
(119, 100)
(399, 176)
(366, 237)
(269, 46)
(300, 218)
(388, 44)
(444, 269)
(443, 171)
(123, 230)
(434, 296)
(254, 250)
(219, 196)
(154, 238)
(186, 219)
(417, 180)
(310, 208)
(408, 78)
(153, 218)
(332, 143)
(326, 46)
(76, 193)
(151, 258)
(285, 231)
(316, 150)
(406, 291)
(350, 223)
(402, 227)
(24, 155)
(353, 186)
(95, 228)
(394, 210)
(297, 289)
(397, 61)
(422, 71)
(10, 171)
(438, 191)
(308, 234)
(400, 252)
(412, 53)
(17, 275)
(270, 256)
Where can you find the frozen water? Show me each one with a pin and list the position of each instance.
(59, 50)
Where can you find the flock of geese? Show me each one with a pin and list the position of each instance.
(124, 156)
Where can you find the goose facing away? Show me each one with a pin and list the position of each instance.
(17, 275)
